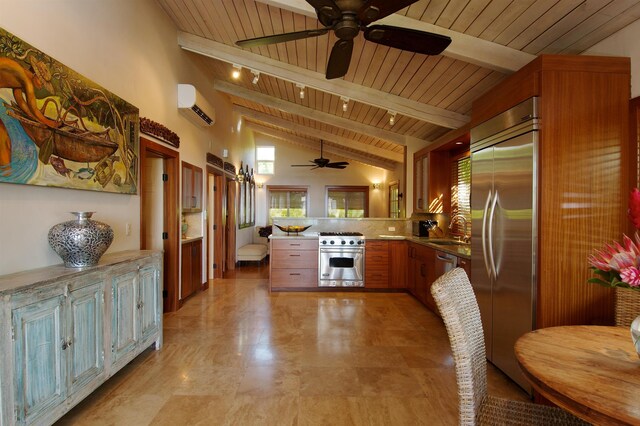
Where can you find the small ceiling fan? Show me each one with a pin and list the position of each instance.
(347, 18)
(323, 162)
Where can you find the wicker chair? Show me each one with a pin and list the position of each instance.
(627, 306)
(459, 309)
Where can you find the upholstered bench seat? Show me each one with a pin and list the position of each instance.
(252, 252)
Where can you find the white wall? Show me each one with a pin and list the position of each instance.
(623, 43)
(355, 174)
(130, 48)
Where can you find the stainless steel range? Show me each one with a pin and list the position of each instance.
(341, 259)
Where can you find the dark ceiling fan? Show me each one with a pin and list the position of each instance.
(347, 18)
(323, 162)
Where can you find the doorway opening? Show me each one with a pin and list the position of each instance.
(159, 219)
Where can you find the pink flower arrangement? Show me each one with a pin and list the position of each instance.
(618, 265)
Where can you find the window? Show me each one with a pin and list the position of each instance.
(265, 157)
(461, 193)
(348, 201)
(287, 201)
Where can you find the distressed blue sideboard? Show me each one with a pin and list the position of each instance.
(63, 332)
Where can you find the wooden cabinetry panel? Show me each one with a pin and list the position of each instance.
(294, 263)
(294, 278)
(191, 267)
(376, 266)
(583, 174)
(191, 188)
(287, 244)
(294, 259)
(466, 265)
(398, 264)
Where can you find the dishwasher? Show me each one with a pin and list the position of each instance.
(444, 263)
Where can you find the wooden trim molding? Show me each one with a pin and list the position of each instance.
(148, 149)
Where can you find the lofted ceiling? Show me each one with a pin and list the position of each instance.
(429, 94)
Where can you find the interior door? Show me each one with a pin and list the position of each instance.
(481, 278)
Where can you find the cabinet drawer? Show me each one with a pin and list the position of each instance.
(285, 259)
(294, 244)
(294, 278)
(376, 279)
(382, 246)
(376, 260)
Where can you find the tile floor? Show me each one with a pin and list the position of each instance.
(236, 355)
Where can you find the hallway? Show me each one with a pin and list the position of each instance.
(235, 355)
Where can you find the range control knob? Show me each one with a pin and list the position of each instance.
(324, 242)
(344, 242)
(332, 242)
(351, 242)
(360, 242)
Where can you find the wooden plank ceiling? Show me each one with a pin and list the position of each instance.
(432, 94)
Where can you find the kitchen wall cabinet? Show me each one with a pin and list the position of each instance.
(57, 325)
(294, 263)
(191, 275)
(431, 182)
(191, 188)
(376, 264)
(582, 175)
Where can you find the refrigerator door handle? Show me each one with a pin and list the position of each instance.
(491, 216)
(485, 213)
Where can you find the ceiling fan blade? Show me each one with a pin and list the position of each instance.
(338, 163)
(340, 58)
(280, 38)
(378, 9)
(336, 166)
(327, 11)
(407, 39)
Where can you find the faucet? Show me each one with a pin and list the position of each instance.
(457, 218)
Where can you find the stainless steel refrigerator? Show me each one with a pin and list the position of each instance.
(503, 205)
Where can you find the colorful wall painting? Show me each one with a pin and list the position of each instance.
(58, 128)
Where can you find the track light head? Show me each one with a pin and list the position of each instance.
(345, 103)
(392, 117)
(236, 71)
(256, 76)
(301, 87)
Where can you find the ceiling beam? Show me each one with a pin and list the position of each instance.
(315, 80)
(306, 112)
(322, 134)
(464, 47)
(313, 144)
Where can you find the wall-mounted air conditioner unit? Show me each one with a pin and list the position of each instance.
(195, 106)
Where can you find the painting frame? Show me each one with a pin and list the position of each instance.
(61, 129)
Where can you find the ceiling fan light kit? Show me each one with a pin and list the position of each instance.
(346, 18)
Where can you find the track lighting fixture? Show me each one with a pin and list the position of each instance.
(301, 87)
(345, 103)
(256, 76)
(392, 118)
(236, 71)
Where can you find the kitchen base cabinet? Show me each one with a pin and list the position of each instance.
(376, 264)
(398, 264)
(191, 276)
(64, 331)
(294, 263)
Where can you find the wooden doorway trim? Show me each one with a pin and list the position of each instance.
(634, 153)
(230, 227)
(215, 217)
(171, 215)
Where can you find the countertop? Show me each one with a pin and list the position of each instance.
(462, 250)
(189, 239)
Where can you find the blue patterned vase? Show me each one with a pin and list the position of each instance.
(81, 242)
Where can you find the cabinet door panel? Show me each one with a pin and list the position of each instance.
(150, 308)
(87, 348)
(39, 344)
(125, 314)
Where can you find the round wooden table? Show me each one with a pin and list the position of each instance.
(590, 371)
